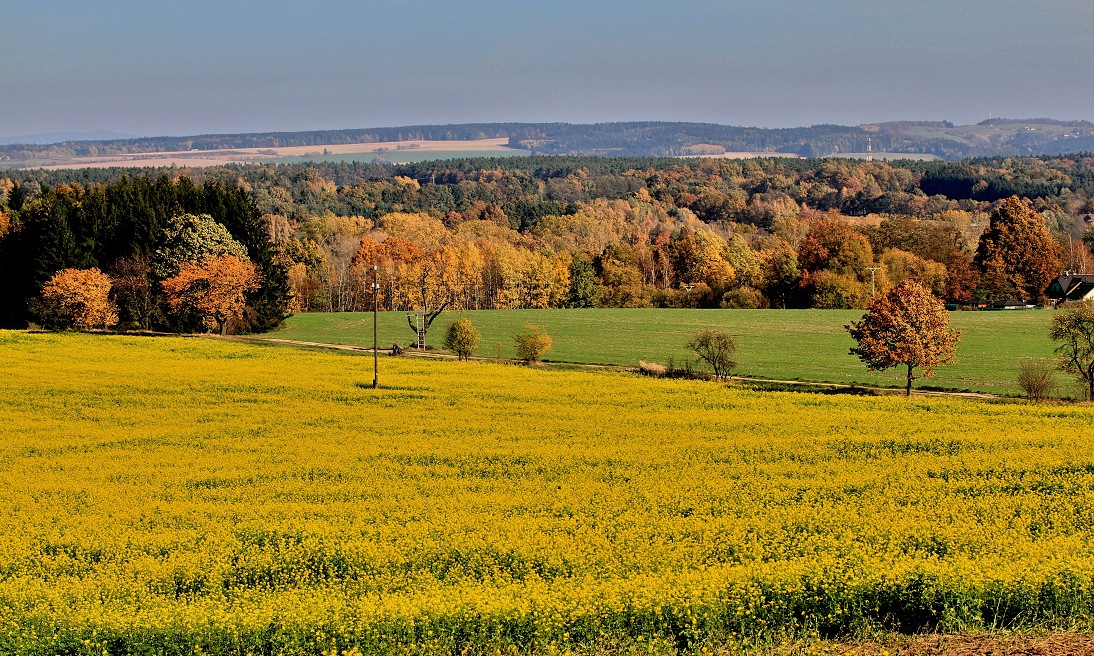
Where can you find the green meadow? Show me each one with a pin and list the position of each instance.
(805, 345)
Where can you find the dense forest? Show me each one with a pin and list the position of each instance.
(639, 139)
(567, 231)
(139, 232)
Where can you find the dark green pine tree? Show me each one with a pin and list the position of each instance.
(583, 292)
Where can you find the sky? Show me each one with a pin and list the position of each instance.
(178, 68)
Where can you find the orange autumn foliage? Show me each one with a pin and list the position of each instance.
(907, 326)
(214, 289)
(80, 298)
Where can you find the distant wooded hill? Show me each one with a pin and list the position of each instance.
(994, 137)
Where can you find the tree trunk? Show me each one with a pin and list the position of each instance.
(908, 389)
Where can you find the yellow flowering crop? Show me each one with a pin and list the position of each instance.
(185, 496)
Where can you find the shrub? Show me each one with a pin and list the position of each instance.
(688, 369)
(652, 369)
(462, 339)
(743, 298)
(532, 343)
(1035, 379)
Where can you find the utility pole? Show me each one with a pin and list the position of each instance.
(873, 288)
(375, 330)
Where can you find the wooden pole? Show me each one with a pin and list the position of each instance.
(375, 331)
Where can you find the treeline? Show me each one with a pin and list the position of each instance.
(635, 139)
(673, 139)
(140, 232)
(1063, 183)
(605, 232)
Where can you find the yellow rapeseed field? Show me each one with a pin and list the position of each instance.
(182, 496)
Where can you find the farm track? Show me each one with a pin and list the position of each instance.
(1072, 644)
(615, 367)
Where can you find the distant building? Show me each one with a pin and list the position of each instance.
(1071, 287)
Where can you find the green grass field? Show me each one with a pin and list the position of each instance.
(178, 496)
(809, 345)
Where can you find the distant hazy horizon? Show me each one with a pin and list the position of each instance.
(152, 69)
(102, 135)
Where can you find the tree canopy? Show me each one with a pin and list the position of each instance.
(141, 229)
(1017, 255)
(906, 326)
(77, 298)
(462, 338)
(561, 231)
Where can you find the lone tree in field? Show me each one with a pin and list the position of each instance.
(1075, 328)
(78, 298)
(532, 343)
(462, 339)
(907, 326)
(716, 348)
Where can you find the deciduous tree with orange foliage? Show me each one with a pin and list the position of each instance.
(214, 290)
(1017, 255)
(77, 298)
(907, 326)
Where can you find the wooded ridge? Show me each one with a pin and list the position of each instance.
(639, 139)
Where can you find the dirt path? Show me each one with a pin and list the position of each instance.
(954, 645)
(835, 387)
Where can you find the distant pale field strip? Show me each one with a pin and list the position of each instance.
(241, 155)
(890, 157)
(402, 156)
(741, 155)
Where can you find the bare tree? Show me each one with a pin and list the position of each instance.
(716, 348)
(1075, 328)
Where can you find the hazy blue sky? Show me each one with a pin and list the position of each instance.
(154, 68)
